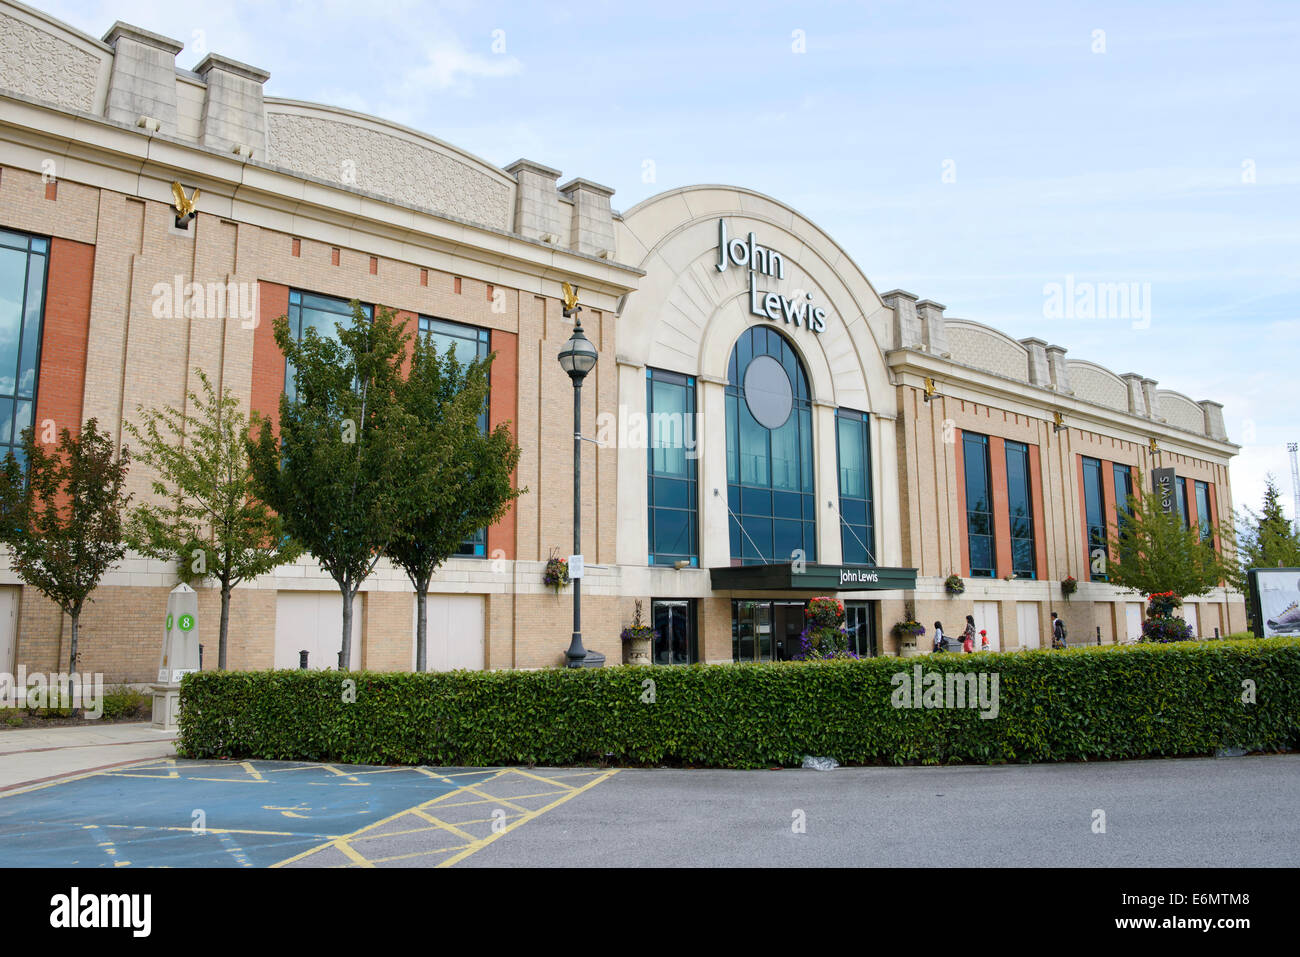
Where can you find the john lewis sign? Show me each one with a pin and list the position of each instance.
(748, 254)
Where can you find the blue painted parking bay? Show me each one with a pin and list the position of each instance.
(177, 813)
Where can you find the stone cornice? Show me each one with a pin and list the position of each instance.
(109, 155)
(955, 380)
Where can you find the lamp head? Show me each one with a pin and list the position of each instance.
(578, 357)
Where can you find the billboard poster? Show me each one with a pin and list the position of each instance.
(1162, 483)
(1275, 596)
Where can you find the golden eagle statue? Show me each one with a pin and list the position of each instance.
(186, 207)
(571, 307)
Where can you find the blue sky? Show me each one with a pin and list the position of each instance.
(1172, 158)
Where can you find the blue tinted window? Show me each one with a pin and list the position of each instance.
(853, 451)
(671, 463)
(1094, 506)
(1204, 518)
(23, 267)
(979, 505)
(323, 314)
(769, 470)
(1020, 507)
(467, 344)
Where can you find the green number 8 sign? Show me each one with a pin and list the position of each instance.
(186, 622)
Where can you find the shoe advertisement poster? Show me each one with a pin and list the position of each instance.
(1275, 594)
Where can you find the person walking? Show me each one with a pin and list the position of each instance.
(1058, 632)
(940, 643)
(968, 636)
(984, 640)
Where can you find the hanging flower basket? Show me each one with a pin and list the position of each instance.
(1069, 586)
(954, 585)
(556, 574)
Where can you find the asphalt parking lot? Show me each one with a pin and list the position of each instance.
(172, 812)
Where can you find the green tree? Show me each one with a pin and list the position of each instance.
(208, 517)
(64, 517)
(1265, 538)
(339, 473)
(468, 469)
(1153, 551)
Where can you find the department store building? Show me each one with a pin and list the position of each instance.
(768, 426)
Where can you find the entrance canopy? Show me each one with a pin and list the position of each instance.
(819, 578)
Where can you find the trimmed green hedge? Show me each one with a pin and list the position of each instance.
(1079, 704)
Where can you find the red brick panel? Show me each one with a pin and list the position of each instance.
(268, 361)
(962, 528)
(1040, 522)
(1001, 506)
(62, 376)
(1086, 574)
(503, 406)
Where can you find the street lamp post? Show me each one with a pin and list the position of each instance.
(577, 358)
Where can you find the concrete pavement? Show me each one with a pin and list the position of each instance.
(32, 757)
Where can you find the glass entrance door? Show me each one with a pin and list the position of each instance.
(766, 630)
(860, 622)
(675, 623)
(787, 625)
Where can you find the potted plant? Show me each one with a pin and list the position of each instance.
(825, 636)
(556, 575)
(1069, 586)
(1161, 624)
(908, 631)
(639, 638)
(954, 585)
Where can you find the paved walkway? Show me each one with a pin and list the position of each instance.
(39, 756)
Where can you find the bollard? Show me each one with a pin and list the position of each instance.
(1216, 633)
(302, 660)
(1099, 634)
(340, 661)
(201, 657)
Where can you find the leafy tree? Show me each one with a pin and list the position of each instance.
(1266, 539)
(209, 518)
(1153, 551)
(468, 470)
(339, 473)
(64, 517)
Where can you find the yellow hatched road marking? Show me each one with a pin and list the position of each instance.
(531, 815)
(340, 841)
(538, 777)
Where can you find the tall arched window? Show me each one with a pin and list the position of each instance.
(769, 452)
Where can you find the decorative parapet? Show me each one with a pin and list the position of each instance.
(537, 202)
(142, 85)
(1152, 401)
(1214, 426)
(984, 348)
(234, 115)
(1137, 403)
(47, 60)
(1056, 365)
(933, 327)
(1039, 373)
(907, 324)
(592, 228)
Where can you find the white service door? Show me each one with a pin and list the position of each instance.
(9, 598)
(1133, 620)
(1027, 624)
(986, 619)
(312, 621)
(1192, 617)
(453, 634)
